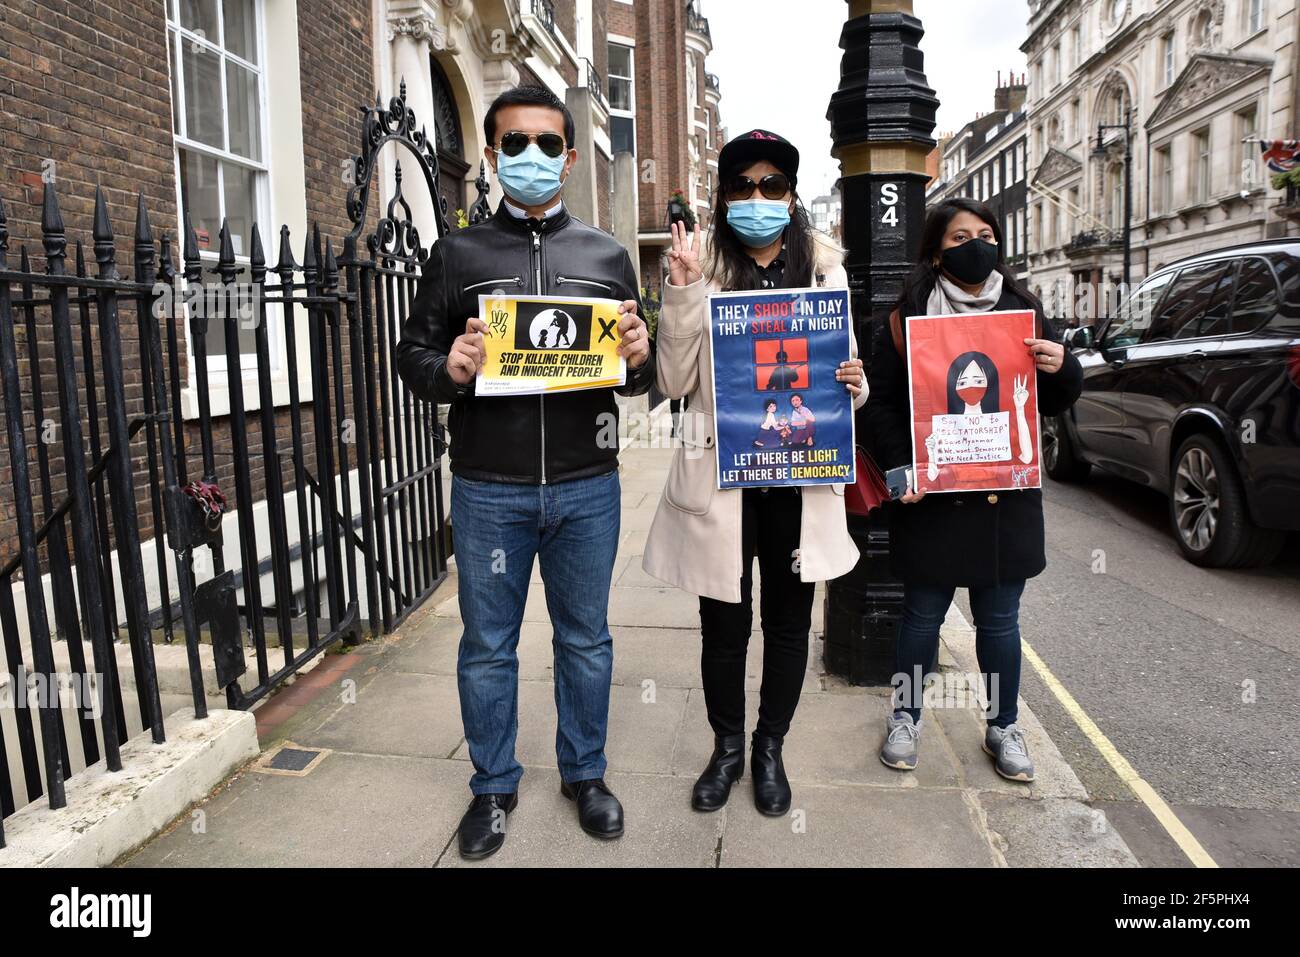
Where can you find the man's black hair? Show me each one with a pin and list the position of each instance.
(527, 96)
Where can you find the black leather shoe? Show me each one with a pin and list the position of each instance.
(766, 770)
(483, 828)
(599, 812)
(725, 768)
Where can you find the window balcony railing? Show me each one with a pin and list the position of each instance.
(596, 84)
(543, 10)
(697, 23)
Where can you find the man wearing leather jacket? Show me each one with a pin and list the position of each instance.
(532, 476)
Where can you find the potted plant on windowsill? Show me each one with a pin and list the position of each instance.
(679, 209)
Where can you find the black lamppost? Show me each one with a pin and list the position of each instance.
(882, 118)
(1100, 152)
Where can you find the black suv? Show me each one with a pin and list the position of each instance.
(1193, 388)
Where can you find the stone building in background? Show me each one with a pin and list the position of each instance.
(633, 74)
(1201, 82)
(986, 160)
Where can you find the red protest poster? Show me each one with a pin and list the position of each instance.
(974, 402)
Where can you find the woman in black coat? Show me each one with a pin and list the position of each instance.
(989, 543)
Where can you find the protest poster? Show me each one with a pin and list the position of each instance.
(783, 419)
(974, 394)
(539, 344)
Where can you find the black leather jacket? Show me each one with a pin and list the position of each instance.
(520, 439)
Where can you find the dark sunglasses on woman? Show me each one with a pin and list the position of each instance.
(772, 186)
(515, 142)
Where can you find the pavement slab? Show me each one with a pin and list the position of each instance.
(395, 780)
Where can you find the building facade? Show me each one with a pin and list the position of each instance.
(1198, 82)
(633, 74)
(986, 160)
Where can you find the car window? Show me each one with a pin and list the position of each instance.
(1286, 318)
(1256, 300)
(1134, 316)
(1197, 304)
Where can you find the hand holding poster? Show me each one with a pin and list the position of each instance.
(783, 419)
(974, 402)
(535, 344)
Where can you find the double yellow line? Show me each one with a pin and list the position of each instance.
(1162, 812)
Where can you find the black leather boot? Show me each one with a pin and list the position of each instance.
(483, 828)
(771, 786)
(713, 787)
(599, 812)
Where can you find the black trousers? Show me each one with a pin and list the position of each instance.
(770, 532)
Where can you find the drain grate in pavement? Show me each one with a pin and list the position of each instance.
(291, 760)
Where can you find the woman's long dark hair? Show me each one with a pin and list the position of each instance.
(921, 281)
(991, 400)
(730, 263)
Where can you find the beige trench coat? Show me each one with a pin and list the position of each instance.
(694, 541)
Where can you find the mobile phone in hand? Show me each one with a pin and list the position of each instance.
(898, 481)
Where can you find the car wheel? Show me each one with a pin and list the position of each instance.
(1060, 460)
(1207, 507)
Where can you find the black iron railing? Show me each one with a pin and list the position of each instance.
(595, 84)
(122, 504)
(544, 10)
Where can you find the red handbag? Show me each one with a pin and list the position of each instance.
(869, 491)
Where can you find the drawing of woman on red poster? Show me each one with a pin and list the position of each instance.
(975, 414)
(973, 390)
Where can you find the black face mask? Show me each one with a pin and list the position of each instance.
(972, 262)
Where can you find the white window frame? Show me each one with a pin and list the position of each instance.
(631, 82)
(1168, 58)
(176, 35)
(1255, 16)
(1165, 178)
(282, 200)
(1202, 165)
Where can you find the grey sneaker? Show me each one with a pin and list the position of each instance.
(1010, 753)
(902, 742)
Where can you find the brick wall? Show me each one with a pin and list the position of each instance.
(86, 85)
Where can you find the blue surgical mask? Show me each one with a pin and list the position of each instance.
(532, 177)
(758, 222)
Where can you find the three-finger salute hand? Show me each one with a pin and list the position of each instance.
(467, 355)
(634, 337)
(684, 258)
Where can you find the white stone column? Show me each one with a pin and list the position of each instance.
(412, 32)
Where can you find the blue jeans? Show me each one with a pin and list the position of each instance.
(997, 644)
(499, 529)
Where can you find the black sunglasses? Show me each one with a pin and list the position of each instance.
(515, 142)
(772, 186)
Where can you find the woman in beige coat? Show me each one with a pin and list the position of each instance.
(704, 540)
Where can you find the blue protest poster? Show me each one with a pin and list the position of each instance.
(783, 418)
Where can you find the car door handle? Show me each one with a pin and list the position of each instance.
(1118, 363)
(1197, 356)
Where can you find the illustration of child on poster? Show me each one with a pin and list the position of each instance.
(782, 416)
(974, 402)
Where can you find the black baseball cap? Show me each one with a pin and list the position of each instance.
(748, 148)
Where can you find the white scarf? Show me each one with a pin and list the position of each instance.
(947, 297)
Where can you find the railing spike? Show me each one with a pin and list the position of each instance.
(286, 264)
(80, 259)
(330, 278)
(165, 265)
(190, 252)
(53, 238)
(51, 218)
(226, 255)
(309, 256)
(103, 233)
(256, 256)
(4, 236)
(143, 231)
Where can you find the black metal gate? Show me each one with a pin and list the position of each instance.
(332, 503)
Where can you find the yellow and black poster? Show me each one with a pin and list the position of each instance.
(535, 344)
